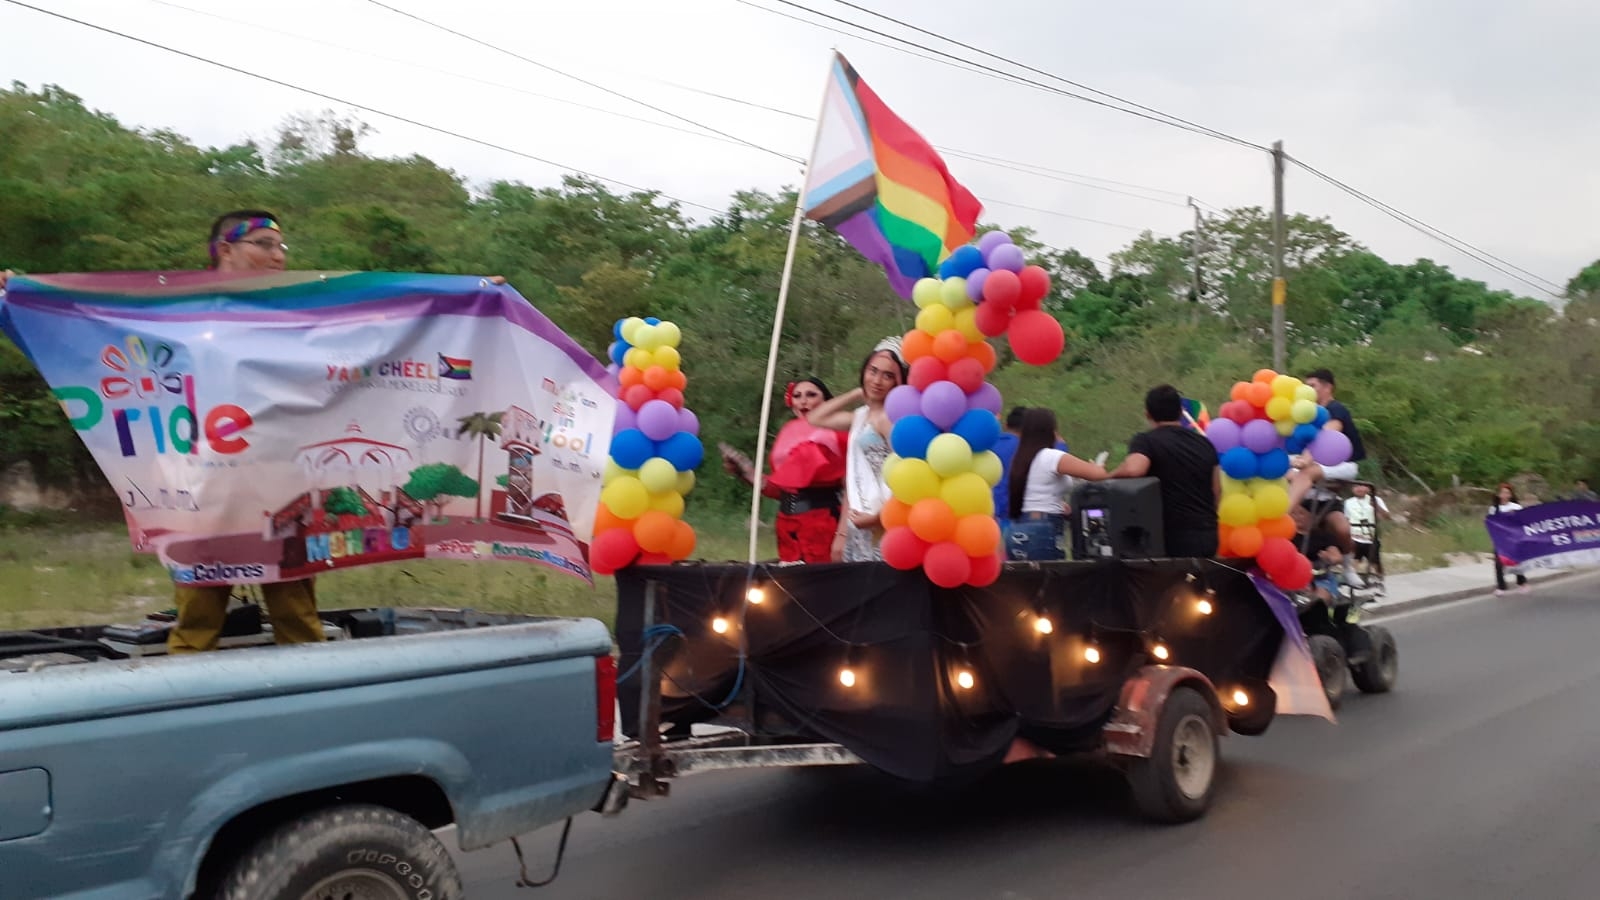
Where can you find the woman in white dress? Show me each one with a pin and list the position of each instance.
(860, 528)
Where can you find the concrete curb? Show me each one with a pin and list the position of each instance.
(1387, 609)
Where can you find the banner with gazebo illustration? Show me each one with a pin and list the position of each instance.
(289, 424)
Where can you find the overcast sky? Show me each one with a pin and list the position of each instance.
(1476, 117)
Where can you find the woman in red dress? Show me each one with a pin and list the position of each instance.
(807, 475)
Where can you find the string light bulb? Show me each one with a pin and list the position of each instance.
(1160, 651)
(1240, 698)
(755, 596)
(1204, 606)
(847, 677)
(719, 625)
(1091, 654)
(1043, 625)
(964, 679)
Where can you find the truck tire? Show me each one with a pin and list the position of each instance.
(1176, 783)
(1328, 655)
(359, 852)
(1382, 669)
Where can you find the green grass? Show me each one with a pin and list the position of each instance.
(1445, 534)
(57, 570)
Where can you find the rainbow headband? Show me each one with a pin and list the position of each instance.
(240, 230)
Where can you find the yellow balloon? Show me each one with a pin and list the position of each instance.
(1284, 386)
(913, 480)
(670, 334)
(1285, 427)
(1303, 411)
(649, 337)
(889, 462)
(685, 482)
(968, 495)
(1237, 510)
(638, 357)
(967, 324)
(1235, 486)
(669, 502)
(657, 475)
(935, 319)
(926, 292)
(1278, 408)
(630, 329)
(953, 293)
(613, 471)
(987, 465)
(667, 358)
(1271, 501)
(950, 455)
(626, 498)
(1305, 392)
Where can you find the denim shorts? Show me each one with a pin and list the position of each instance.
(1036, 538)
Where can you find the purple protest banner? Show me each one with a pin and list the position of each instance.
(1560, 535)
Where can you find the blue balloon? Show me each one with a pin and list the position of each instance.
(1294, 445)
(979, 427)
(683, 450)
(1322, 417)
(1305, 434)
(1272, 464)
(618, 351)
(651, 320)
(630, 449)
(963, 262)
(1240, 463)
(911, 436)
(616, 329)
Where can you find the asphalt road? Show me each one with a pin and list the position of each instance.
(1478, 778)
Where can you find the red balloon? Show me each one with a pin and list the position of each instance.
(654, 559)
(637, 396)
(1002, 288)
(967, 374)
(985, 570)
(1238, 410)
(926, 371)
(1035, 284)
(992, 319)
(671, 395)
(1294, 577)
(947, 564)
(612, 550)
(1036, 337)
(1276, 556)
(903, 549)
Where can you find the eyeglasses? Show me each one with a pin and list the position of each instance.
(267, 244)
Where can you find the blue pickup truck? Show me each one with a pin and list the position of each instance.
(296, 772)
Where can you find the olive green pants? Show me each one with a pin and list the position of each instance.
(291, 608)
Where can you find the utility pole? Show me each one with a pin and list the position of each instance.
(1279, 287)
(1194, 270)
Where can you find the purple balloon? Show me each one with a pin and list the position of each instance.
(1329, 448)
(688, 421)
(658, 419)
(975, 284)
(903, 401)
(1258, 436)
(1223, 434)
(626, 419)
(986, 397)
(991, 240)
(943, 403)
(1008, 257)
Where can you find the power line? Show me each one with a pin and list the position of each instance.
(1062, 215)
(1221, 135)
(584, 81)
(1455, 243)
(364, 108)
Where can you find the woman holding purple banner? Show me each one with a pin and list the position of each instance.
(1506, 501)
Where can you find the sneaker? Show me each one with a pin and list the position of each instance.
(1499, 592)
(1524, 589)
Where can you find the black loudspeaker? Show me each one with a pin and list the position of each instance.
(1116, 519)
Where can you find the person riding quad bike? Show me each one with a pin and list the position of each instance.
(1329, 615)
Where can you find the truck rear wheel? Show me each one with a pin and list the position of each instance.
(1176, 783)
(353, 852)
(1332, 668)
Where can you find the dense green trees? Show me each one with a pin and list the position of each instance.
(1445, 376)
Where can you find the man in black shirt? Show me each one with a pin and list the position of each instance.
(1339, 419)
(1187, 467)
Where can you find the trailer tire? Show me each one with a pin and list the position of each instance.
(1332, 667)
(1178, 780)
(1382, 669)
(353, 850)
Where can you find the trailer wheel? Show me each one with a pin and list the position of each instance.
(353, 852)
(1378, 674)
(1331, 664)
(1176, 783)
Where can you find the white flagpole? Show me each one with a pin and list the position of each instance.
(777, 319)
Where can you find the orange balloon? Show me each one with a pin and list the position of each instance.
(1224, 539)
(630, 376)
(915, 345)
(654, 531)
(983, 352)
(683, 540)
(895, 513)
(1281, 527)
(932, 519)
(978, 535)
(605, 520)
(1245, 541)
(950, 345)
(657, 378)
(1241, 391)
(1263, 376)
(1258, 394)
(679, 380)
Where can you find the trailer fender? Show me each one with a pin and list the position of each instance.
(1132, 729)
